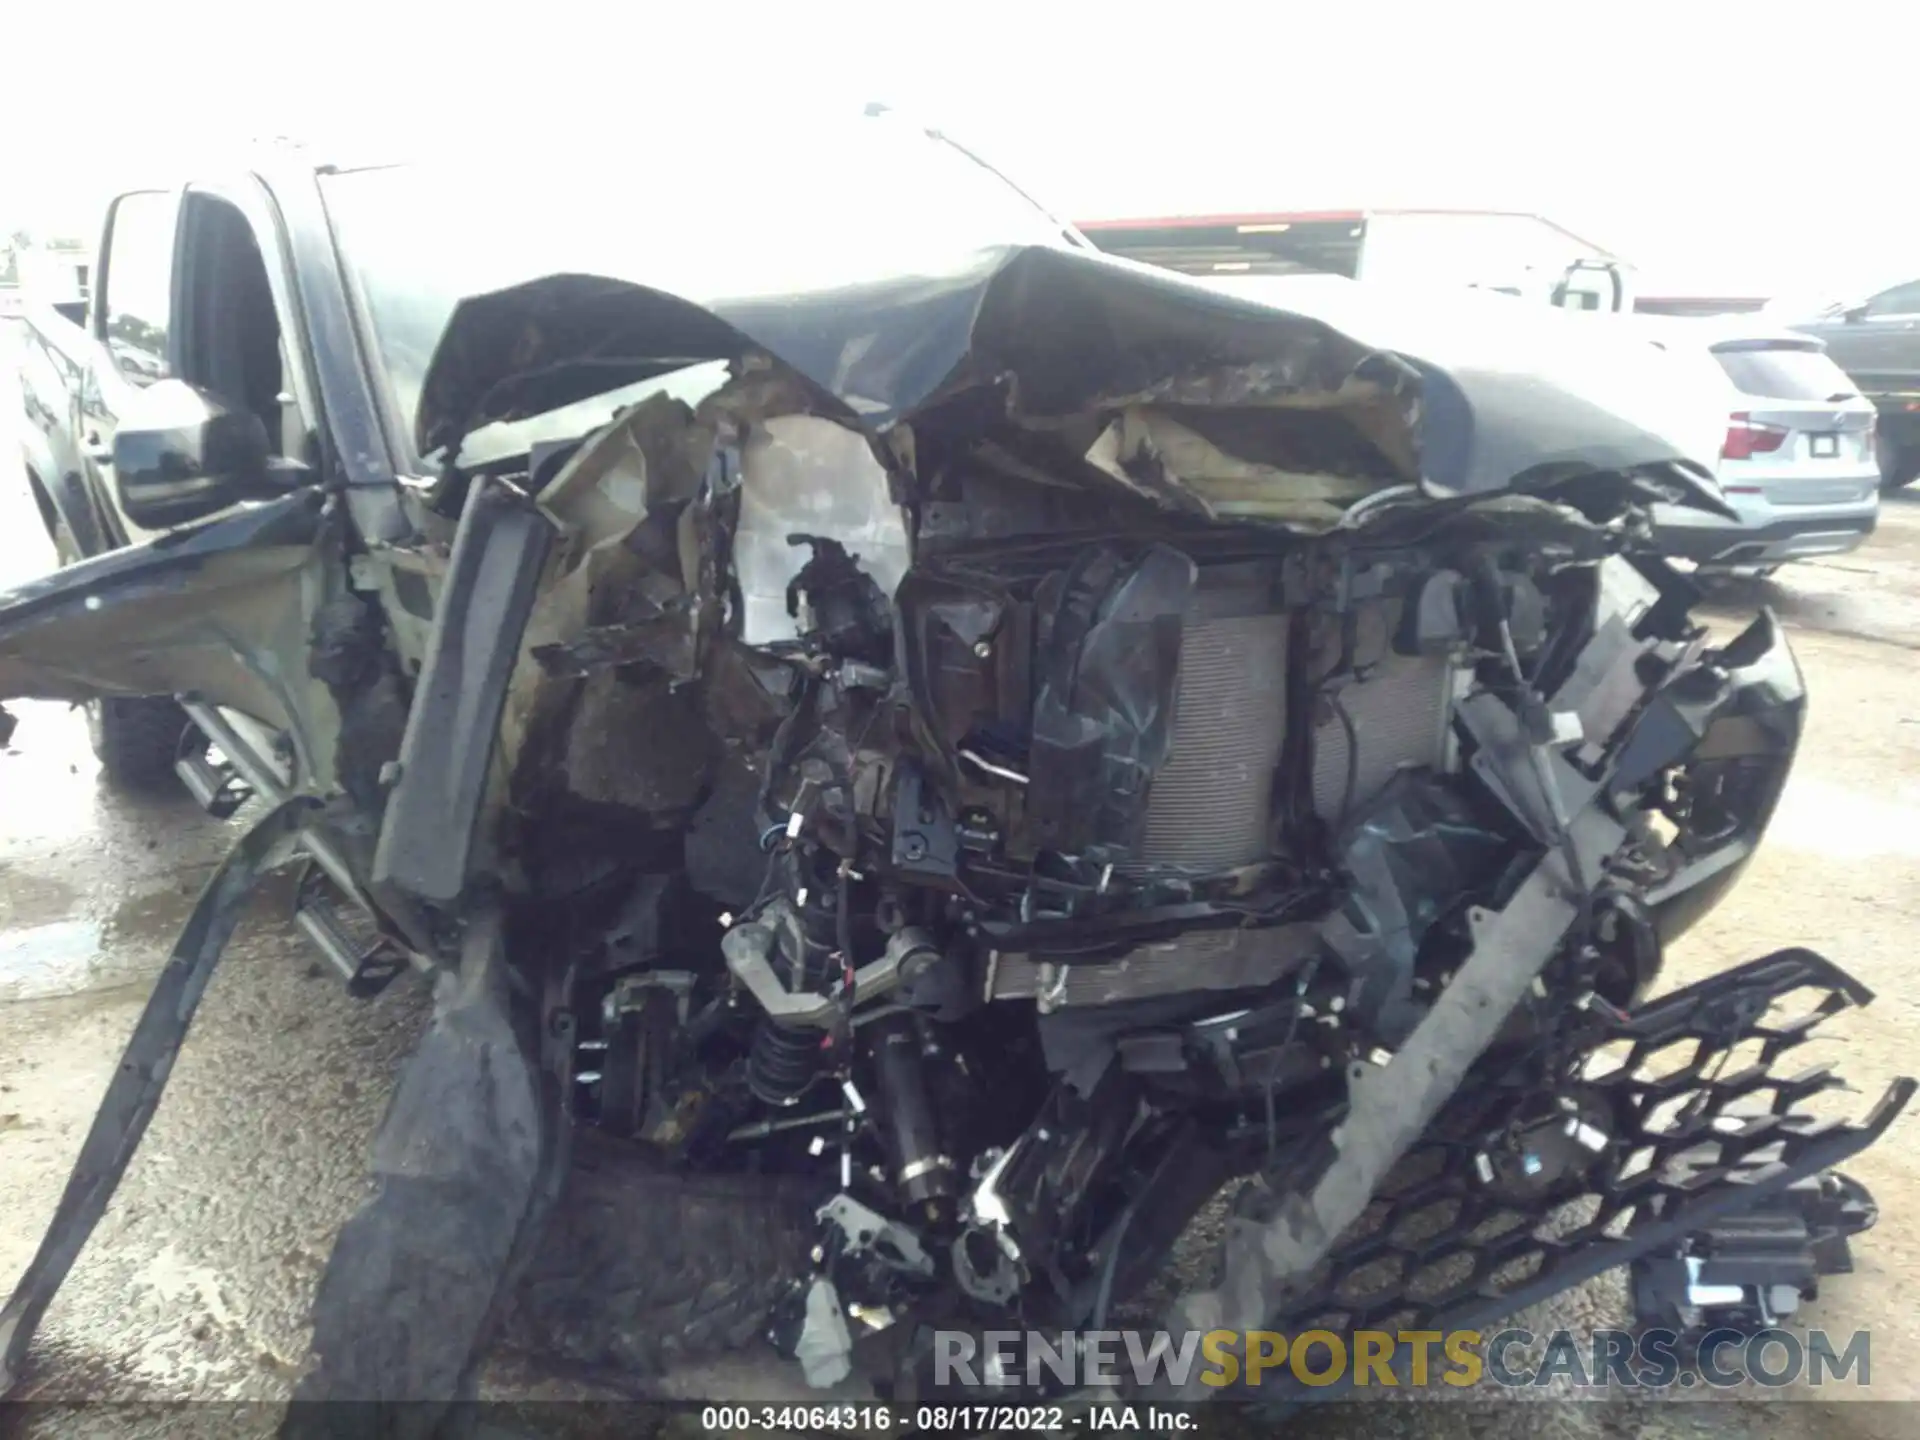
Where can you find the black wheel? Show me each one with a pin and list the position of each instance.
(1899, 465)
(136, 741)
(1717, 584)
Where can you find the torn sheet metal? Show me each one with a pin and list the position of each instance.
(213, 609)
(614, 595)
(651, 456)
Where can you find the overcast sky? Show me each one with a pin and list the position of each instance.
(1740, 147)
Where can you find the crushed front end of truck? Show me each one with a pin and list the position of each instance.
(1027, 753)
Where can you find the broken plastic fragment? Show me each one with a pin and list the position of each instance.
(825, 1348)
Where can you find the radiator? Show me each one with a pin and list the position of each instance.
(1211, 807)
(1400, 712)
(1212, 802)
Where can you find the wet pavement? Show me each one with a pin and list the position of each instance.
(197, 1282)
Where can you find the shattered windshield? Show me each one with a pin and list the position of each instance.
(819, 204)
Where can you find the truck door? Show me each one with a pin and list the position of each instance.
(235, 323)
(131, 316)
(1878, 343)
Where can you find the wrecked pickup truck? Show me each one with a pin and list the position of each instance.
(921, 757)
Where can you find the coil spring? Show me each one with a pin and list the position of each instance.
(782, 1062)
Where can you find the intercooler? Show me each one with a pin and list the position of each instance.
(1211, 807)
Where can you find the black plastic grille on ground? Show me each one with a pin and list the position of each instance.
(1516, 1197)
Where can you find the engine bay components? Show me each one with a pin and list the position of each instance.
(1209, 851)
(921, 1168)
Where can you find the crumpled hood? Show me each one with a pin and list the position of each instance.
(1474, 403)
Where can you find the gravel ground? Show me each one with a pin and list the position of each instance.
(196, 1284)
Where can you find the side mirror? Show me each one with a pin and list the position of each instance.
(180, 454)
(1568, 294)
(1853, 314)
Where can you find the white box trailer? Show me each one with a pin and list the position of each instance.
(55, 275)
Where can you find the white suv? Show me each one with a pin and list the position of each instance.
(1798, 460)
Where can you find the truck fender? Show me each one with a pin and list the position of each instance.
(211, 611)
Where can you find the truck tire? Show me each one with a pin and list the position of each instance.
(1899, 465)
(136, 740)
(640, 1271)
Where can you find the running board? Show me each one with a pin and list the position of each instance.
(368, 966)
(217, 786)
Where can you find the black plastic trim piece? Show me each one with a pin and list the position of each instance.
(499, 550)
